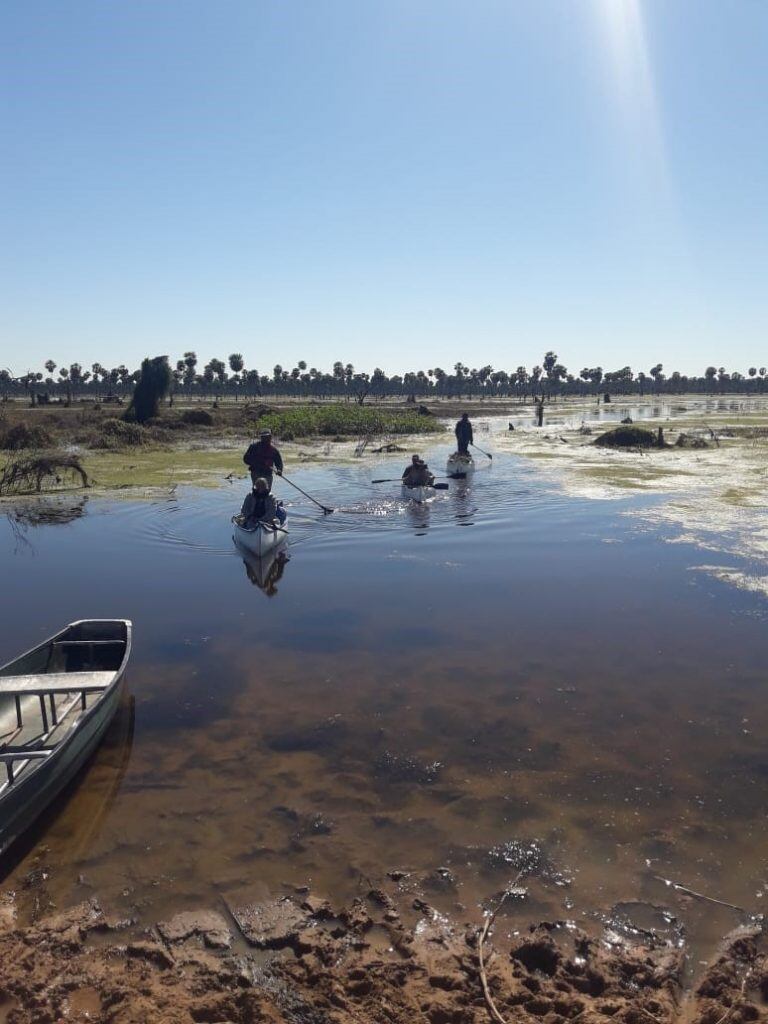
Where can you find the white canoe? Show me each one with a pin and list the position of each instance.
(423, 493)
(460, 465)
(261, 539)
(56, 702)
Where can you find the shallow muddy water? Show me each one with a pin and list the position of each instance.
(503, 680)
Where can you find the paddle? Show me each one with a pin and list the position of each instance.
(486, 454)
(396, 480)
(325, 508)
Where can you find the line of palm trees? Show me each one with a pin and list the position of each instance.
(218, 378)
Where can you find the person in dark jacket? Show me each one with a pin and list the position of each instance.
(263, 459)
(417, 474)
(260, 507)
(463, 431)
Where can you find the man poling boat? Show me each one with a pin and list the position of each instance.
(263, 459)
(464, 435)
(259, 528)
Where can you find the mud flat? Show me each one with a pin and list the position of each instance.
(385, 957)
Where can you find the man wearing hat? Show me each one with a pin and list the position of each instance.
(263, 459)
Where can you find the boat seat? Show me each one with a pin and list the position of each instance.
(20, 754)
(56, 682)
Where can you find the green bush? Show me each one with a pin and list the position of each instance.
(23, 436)
(345, 420)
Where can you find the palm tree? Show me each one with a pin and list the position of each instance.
(190, 362)
(236, 366)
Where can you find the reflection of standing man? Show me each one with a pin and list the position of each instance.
(464, 437)
(263, 459)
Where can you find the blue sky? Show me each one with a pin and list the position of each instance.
(404, 183)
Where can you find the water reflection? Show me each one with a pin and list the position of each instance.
(75, 821)
(266, 572)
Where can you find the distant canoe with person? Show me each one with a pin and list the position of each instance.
(460, 464)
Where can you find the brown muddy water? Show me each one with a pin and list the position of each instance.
(505, 679)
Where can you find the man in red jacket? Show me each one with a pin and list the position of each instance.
(263, 459)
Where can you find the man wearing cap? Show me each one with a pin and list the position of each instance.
(417, 474)
(263, 459)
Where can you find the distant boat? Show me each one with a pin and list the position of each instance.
(460, 465)
(258, 540)
(56, 702)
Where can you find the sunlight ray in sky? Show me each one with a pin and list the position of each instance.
(622, 24)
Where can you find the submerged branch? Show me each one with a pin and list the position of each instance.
(495, 1015)
(698, 895)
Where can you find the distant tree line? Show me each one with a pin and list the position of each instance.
(231, 379)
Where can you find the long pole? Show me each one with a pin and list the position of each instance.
(318, 503)
(486, 454)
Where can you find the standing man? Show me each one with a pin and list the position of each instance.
(263, 459)
(464, 437)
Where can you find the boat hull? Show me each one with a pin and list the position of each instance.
(260, 541)
(460, 465)
(422, 493)
(34, 790)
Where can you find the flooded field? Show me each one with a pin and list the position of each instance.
(510, 678)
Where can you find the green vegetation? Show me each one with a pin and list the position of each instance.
(119, 434)
(345, 421)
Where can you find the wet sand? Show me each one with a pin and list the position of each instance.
(385, 957)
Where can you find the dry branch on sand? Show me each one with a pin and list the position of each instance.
(27, 472)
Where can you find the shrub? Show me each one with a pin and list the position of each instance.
(627, 437)
(691, 441)
(119, 434)
(24, 436)
(23, 473)
(197, 417)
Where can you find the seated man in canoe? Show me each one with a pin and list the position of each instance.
(263, 459)
(418, 474)
(260, 507)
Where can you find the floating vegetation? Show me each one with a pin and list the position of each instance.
(346, 420)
